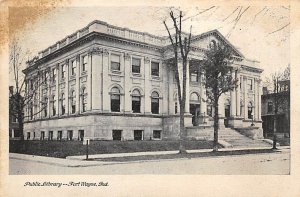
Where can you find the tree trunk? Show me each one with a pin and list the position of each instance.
(182, 136)
(216, 125)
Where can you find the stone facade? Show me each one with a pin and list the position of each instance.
(104, 81)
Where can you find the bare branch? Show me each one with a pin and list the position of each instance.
(231, 14)
(281, 28)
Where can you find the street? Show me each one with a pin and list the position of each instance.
(251, 164)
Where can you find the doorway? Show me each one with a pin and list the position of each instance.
(227, 115)
(195, 111)
(80, 135)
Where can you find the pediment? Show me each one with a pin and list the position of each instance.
(203, 41)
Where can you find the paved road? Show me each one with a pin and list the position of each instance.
(270, 163)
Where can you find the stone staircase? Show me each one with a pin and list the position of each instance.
(236, 139)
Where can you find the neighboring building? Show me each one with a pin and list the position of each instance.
(283, 115)
(14, 132)
(110, 83)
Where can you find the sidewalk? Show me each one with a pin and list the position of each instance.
(79, 161)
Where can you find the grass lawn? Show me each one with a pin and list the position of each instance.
(62, 149)
(178, 156)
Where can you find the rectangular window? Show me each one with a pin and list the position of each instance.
(155, 106)
(59, 135)
(115, 62)
(73, 68)
(194, 76)
(42, 135)
(138, 135)
(270, 107)
(136, 65)
(176, 108)
(115, 103)
(156, 134)
(63, 71)
(70, 135)
(28, 135)
(117, 135)
(80, 135)
(155, 69)
(50, 137)
(84, 63)
(53, 74)
(250, 84)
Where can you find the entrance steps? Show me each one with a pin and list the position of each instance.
(236, 139)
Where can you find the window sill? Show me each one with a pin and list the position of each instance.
(116, 73)
(155, 78)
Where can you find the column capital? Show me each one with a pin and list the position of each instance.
(127, 56)
(105, 52)
(96, 51)
(67, 61)
(147, 60)
(78, 57)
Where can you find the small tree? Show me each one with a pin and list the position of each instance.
(217, 69)
(182, 46)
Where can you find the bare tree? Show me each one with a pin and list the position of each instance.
(181, 49)
(217, 68)
(24, 93)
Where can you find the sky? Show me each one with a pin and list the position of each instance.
(260, 33)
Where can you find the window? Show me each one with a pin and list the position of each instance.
(136, 65)
(250, 111)
(155, 103)
(136, 101)
(63, 71)
(46, 77)
(117, 135)
(194, 97)
(209, 110)
(59, 135)
(53, 105)
(250, 85)
(194, 76)
(73, 102)
(115, 62)
(50, 137)
(28, 135)
(70, 135)
(115, 100)
(42, 135)
(84, 63)
(156, 134)
(270, 107)
(176, 108)
(63, 105)
(138, 135)
(155, 69)
(31, 111)
(45, 106)
(80, 135)
(73, 67)
(54, 74)
(84, 99)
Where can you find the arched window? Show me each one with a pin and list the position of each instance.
(227, 108)
(115, 100)
(136, 101)
(63, 104)
(250, 110)
(83, 99)
(194, 97)
(155, 103)
(73, 102)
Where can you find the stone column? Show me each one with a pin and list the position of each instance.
(67, 88)
(105, 87)
(187, 100)
(233, 98)
(171, 90)
(221, 112)
(96, 79)
(259, 99)
(165, 87)
(245, 98)
(89, 82)
(77, 85)
(127, 85)
(147, 87)
(49, 92)
(255, 85)
(238, 96)
(58, 87)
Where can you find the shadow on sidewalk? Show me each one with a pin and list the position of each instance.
(186, 156)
